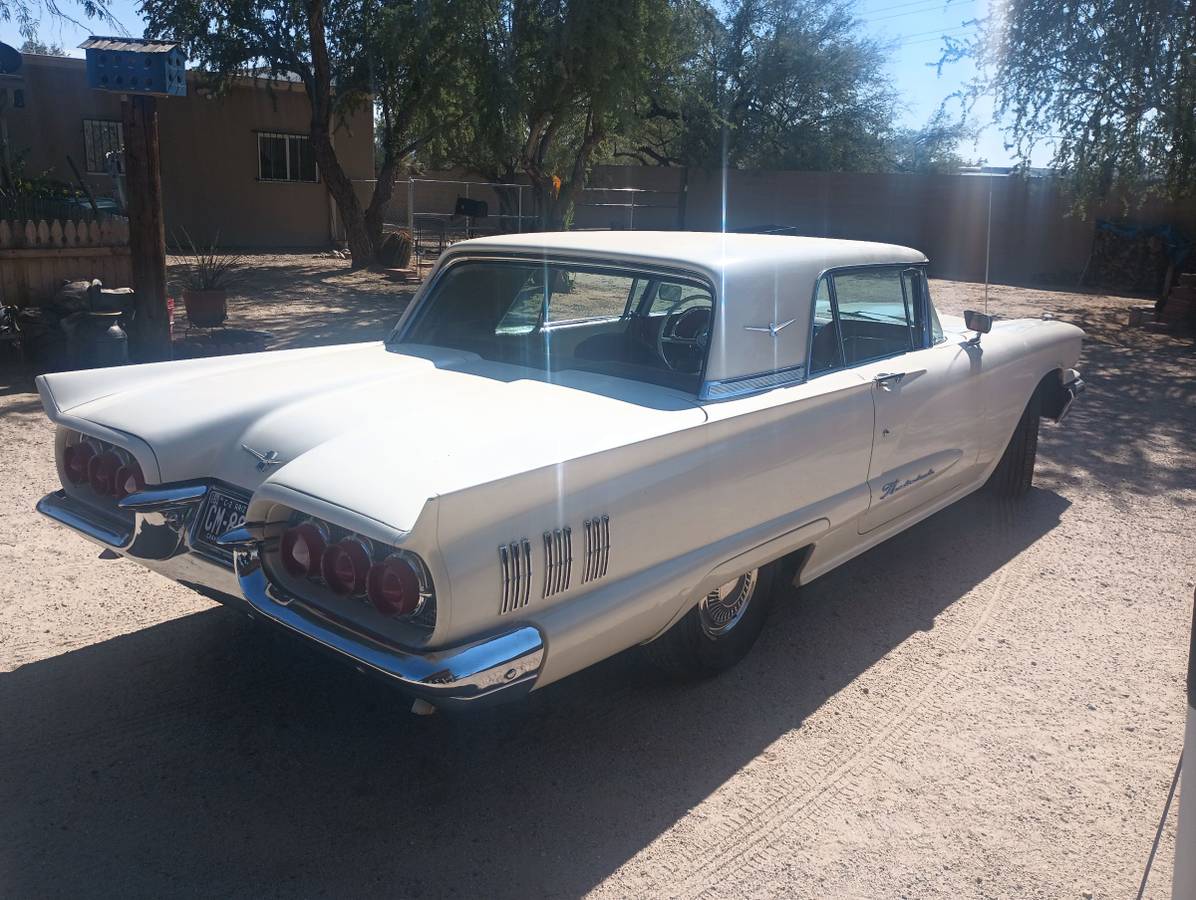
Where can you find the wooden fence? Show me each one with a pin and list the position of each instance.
(37, 257)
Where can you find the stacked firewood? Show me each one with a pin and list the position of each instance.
(1179, 306)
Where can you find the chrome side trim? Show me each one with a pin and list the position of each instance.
(597, 557)
(752, 384)
(515, 561)
(505, 664)
(558, 560)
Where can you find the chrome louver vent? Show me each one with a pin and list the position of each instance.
(558, 560)
(597, 547)
(516, 561)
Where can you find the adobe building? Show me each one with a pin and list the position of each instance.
(239, 165)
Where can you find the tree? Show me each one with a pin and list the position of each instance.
(931, 148)
(552, 80)
(1111, 82)
(28, 15)
(348, 53)
(36, 47)
(769, 84)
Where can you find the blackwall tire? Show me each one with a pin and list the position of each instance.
(712, 637)
(1014, 474)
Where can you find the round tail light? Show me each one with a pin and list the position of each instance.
(101, 473)
(345, 566)
(75, 460)
(129, 480)
(302, 548)
(393, 587)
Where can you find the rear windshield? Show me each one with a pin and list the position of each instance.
(643, 326)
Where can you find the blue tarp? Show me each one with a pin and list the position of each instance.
(1177, 245)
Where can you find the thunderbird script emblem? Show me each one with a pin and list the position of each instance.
(772, 328)
(264, 460)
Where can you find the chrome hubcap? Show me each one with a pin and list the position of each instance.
(722, 609)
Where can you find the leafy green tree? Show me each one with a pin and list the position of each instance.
(34, 46)
(398, 54)
(931, 148)
(1111, 83)
(768, 84)
(28, 15)
(551, 82)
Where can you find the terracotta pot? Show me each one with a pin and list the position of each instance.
(205, 309)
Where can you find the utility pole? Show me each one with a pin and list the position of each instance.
(147, 232)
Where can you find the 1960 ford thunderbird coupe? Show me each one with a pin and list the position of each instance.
(571, 444)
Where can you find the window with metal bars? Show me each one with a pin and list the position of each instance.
(101, 137)
(285, 157)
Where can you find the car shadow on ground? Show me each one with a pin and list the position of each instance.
(211, 755)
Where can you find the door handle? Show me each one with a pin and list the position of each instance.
(886, 380)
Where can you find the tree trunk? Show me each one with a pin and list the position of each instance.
(361, 249)
(319, 92)
(383, 191)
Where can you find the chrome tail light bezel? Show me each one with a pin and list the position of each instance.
(314, 588)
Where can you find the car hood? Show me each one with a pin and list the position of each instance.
(362, 426)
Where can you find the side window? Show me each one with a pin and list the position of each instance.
(877, 315)
(587, 295)
(825, 351)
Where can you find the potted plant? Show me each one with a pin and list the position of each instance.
(207, 278)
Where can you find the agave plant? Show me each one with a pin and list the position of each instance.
(208, 269)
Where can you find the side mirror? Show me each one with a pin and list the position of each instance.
(977, 322)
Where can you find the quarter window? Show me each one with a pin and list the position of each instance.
(825, 352)
(285, 157)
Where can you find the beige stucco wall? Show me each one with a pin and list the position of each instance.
(209, 154)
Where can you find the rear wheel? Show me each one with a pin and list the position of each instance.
(719, 631)
(1015, 472)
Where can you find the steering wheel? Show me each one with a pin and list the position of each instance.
(681, 340)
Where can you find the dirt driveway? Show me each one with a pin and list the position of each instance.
(989, 705)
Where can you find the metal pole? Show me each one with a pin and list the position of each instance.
(1183, 878)
(520, 208)
(631, 214)
(988, 241)
(411, 207)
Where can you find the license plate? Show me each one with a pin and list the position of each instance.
(221, 512)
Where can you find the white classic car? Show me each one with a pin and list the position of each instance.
(571, 444)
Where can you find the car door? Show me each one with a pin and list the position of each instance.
(926, 390)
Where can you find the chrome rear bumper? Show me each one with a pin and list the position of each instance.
(157, 533)
(154, 529)
(505, 664)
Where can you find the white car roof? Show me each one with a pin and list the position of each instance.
(708, 251)
(759, 279)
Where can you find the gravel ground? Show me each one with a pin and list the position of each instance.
(988, 705)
